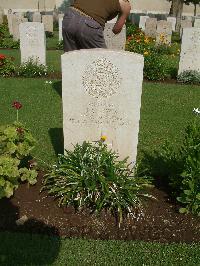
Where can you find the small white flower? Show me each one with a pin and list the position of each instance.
(196, 111)
(50, 82)
(46, 82)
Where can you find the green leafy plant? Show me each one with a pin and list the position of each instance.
(7, 67)
(180, 168)
(6, 40)
(190, 176)
(59, 45)
(189, 77)
(155, 67)
(49, 34)
(9, 43)
(32, 68)
(16, 143)
(92, 176)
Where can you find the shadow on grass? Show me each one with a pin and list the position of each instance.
(57, 140)
(32, 243)
(58, 87)
(162, 168)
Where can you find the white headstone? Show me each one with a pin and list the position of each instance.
(16, 21)
(190, 50)
(142, 22)
(60, 15)
(185, 24)
(10, 18)
(114, 41)
(102, 96)
(1, 17)
(37, 17)
(173, 21)
(197, 23)
(60, 28)
(150, 27)
(32, 42)
(114, 20)
(47, 20)
(163, 32)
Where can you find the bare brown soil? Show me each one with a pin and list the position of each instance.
(160, 220)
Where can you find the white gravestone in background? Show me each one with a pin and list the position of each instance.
(32, 42)
(150, 27)
(190, 50)
(142, 22)
(173, 21)
(37, 17)
(47, 20)
(1, 17)
(185, 24)
(16, 21)
(9, 18)
(60, 20)
(114, 41)
(163, 32)
(102, 96)
(197, 23)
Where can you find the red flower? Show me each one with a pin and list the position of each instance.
(2, 56)
(129, 38)
(20, 130)
(16, 105)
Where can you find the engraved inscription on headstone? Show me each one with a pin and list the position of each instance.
(163, 32)
(32, 42)
(190, 50)
(102, 93)
(150, 27)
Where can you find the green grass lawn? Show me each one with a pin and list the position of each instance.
(25, 249)
(53, 57)
(165, 111)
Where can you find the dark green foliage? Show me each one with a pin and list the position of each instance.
(49, 34)
(6, 40)
(180, 168)
(16, 143)
(92, 176)
(7, 67)
(9, 43)
(155, 67)
(189, 77)
(60, 45)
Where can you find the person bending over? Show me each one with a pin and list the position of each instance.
(84, 22)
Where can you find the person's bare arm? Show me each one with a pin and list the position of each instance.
(125, 11)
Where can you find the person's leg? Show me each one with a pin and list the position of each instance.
(90, 34)
(69, 28)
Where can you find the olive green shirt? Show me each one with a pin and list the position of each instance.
(99, 10)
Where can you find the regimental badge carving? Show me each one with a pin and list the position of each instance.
(101, 79)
